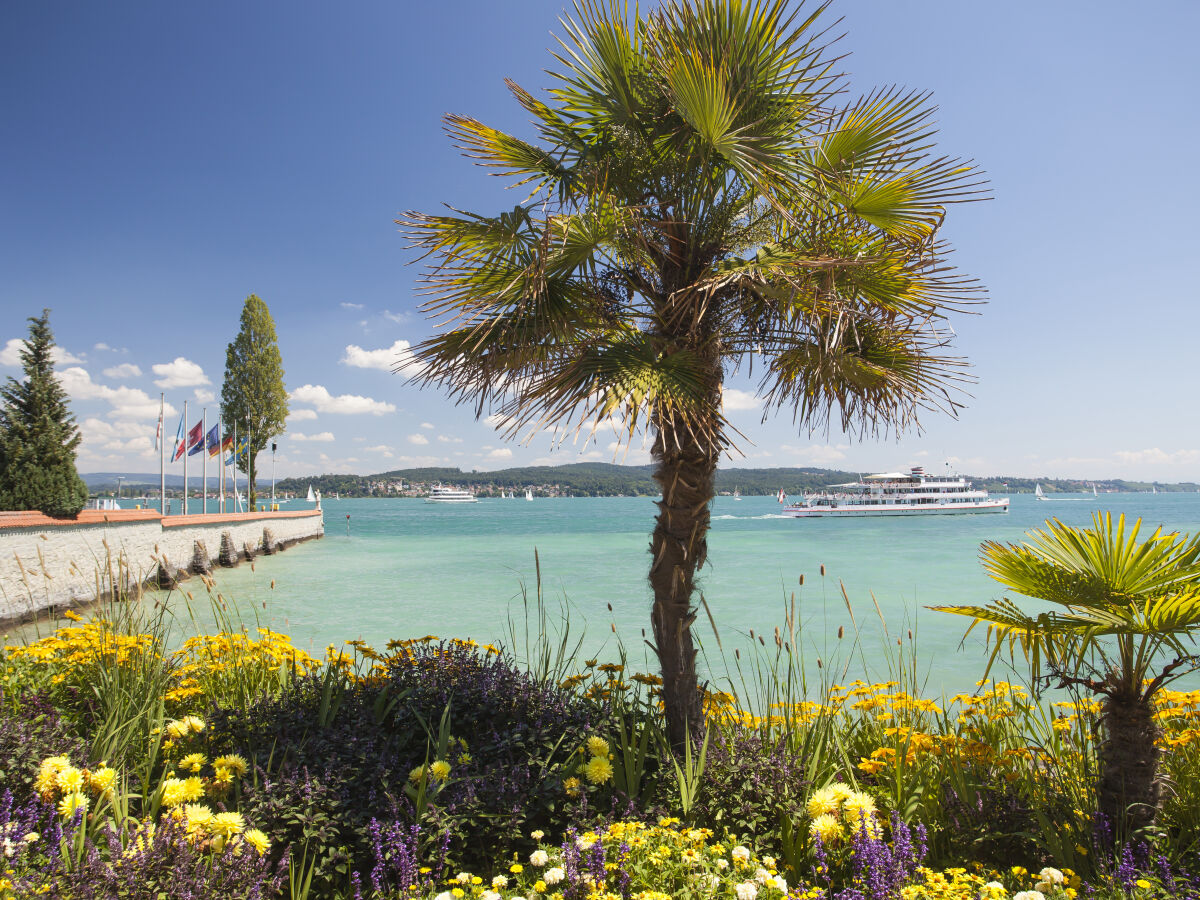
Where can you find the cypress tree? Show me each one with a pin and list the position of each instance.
(38, 435)
(253, 395)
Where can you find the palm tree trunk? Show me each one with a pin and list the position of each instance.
(1130, 790)
(685, 470)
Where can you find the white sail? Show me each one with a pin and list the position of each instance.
(528, 494)
(1037, 492)
(311, 498)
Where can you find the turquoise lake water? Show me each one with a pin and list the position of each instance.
(405, 568)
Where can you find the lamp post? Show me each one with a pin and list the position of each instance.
(273, 447)
(120, 478)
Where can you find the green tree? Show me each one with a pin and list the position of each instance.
(701, 198)
(38, 435)
(1124, 609)
(253, 398)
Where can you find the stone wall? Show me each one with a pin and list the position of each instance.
(47, 563)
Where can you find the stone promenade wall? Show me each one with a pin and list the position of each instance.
(46, 563)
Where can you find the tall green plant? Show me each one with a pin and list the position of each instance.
(253, 398)
(701, 198)
(38, 435)
(1123, 625)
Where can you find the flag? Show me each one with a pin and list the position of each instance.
(213, 440)
(180, 443)
(158, 435)
(195, 438)
(242, 447)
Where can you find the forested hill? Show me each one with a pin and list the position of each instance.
(605, 479)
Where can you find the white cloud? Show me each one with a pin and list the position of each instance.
(347, 404)
(398, 358)
(419, 439)
(427, 425)
(301, 415)
(1155, 456)
(124, 370)
(382, 449)
(448, 439)
(346, 305)
(127, 403)
(500, 453)
(323, 437)
(100, 345)
(204, 396)
(398, 318)
(11, 354)
(180, 372)
(733, 399)
(816, 454)
(117, 437)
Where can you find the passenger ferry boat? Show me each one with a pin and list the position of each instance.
(896, 494)
(440, 494)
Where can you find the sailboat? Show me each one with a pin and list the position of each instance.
(1037, 492)
(1094, 494)
(311, 498)
(529, 494)
(737, 495)
(1153, 489)
(782, 498)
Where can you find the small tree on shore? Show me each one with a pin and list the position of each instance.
(38, 435)
(1123, 625)
(253, 398)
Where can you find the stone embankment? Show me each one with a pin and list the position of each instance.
(48, 564)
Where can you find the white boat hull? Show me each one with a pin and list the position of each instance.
(999, 505)
(451, 500)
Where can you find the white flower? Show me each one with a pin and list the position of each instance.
(489, 895)
(444, 895)
(747, 890)
(740, 854)
(1029, 895)
(779, 883)
(539, 858)
(463, 877)
(722, 864)
(9, 848)
(500, 881)
(761, 875)
(1051, 876)
(1043, 886)
(769, 862)
(994, 885)
(713, 881)
(554, 876)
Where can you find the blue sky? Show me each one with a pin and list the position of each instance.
(162, 161)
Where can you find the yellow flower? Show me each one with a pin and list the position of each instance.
(439, 770)
(823, 803)
(597, 746)
(233, 762)
(571, 786)
(178, 791)
(227, 824)
(827, 828)
(194, 723)
(193, 762)
(69, 780)
(416, 774)
(258, 840)
(102, 780)
(598, 770)
(70, 803)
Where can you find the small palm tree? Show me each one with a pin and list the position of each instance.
(1126, 615)
(701, 200)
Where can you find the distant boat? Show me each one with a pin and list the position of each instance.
(782, 498)
(1094, 494)
(1153, 489)
(442, 494)
(311, 498)
(737, 495)
(1037, 492)
(529, 494)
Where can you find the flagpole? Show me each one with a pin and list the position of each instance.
(249, 465)
(234, 455)
(204, 454)
(185, 456)
(221, 463)
(162, 446)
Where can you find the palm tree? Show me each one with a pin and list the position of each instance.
(1124, 609)
(698, 203)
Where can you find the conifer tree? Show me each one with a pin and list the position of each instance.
(253, 397)
(38, 435)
